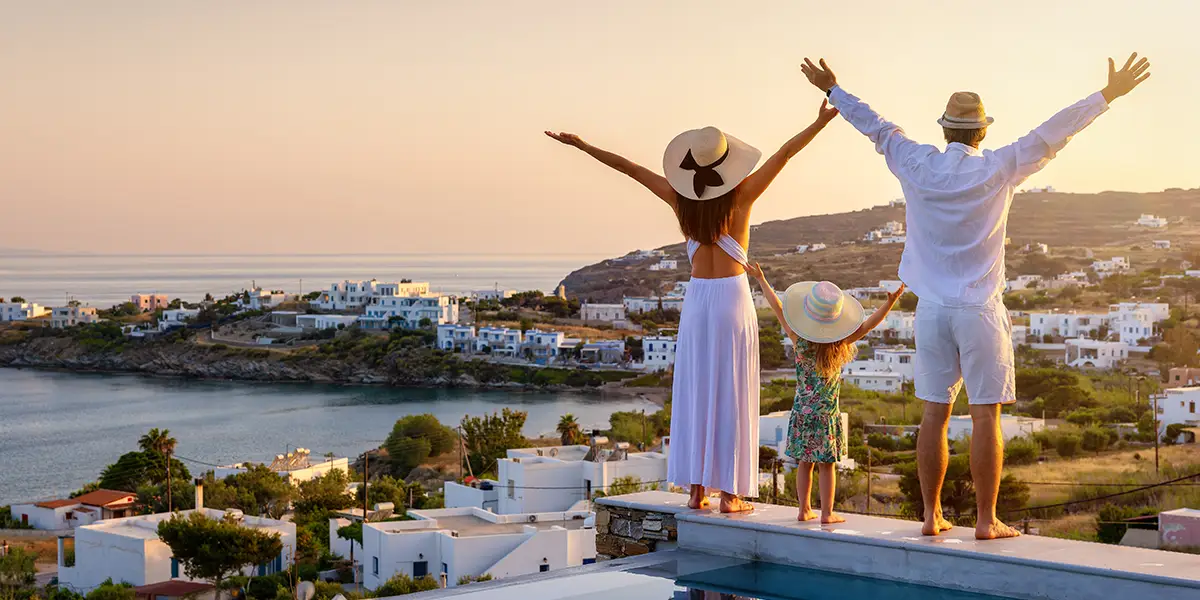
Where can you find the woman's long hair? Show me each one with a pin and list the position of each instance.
(705, 220)
(830, 358)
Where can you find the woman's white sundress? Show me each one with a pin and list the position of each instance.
(714, 406)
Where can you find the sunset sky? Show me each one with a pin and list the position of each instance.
(404, 126)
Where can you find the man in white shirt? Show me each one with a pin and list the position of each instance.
(957, 214)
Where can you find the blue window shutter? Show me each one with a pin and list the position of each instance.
(589, 561)
(174, 567)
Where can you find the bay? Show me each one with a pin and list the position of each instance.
(58, 430)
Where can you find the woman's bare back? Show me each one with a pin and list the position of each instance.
(711, 262)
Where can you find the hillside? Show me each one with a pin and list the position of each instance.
(1069, 223)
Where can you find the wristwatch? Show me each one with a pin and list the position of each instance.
(828, 92)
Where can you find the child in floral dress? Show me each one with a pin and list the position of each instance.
(824, 323)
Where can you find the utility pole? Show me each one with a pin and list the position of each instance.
(775, 481)
(1155, 413)
(366, 470)
(643, 444)
(169, 497)
(868, 443)
(460, 456)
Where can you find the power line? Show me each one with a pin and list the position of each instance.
(1104, 497)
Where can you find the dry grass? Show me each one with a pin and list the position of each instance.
(1096, 469)
(46, 550)
(575, 331)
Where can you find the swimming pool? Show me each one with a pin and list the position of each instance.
(685, 575)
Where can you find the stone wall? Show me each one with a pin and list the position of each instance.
(622, 532)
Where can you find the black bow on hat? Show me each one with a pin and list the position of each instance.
(706, 176)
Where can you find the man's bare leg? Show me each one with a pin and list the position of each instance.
(698, 498)
(804, 491)
(987, 466)
(933, 456)
(828, 488)
(730, 503)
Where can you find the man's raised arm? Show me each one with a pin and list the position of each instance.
(1032, 152)
(889, 138)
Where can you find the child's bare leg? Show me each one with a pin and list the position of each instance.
(828, 488)
(804, 491)
(698, 498)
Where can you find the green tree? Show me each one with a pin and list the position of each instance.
(256, 491)
(324, 493)
(488, 437)
(351, 532)
(18, 299)
(385, 489)
(407, 453)
(1094, 439)
(907, 302)
(568, 430)
(958, 491)
(214, 550)
(1021, 451)
(620, 486)
(401, 584)
(130, 471)
(17, 568)
(1067, 445)
(111, 591)
(1179, 347)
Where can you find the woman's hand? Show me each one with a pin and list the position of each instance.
(826, 113)
(569, 139)
(895, 296)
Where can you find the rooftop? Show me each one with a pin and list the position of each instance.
(172, 588)
(105, 498)
(146, 526)
(474, 522)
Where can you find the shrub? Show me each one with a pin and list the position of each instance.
(1021, 451)
(882, 441)
(1095, 439)
(1067, 445)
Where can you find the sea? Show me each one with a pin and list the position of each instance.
(58, 430)
(103, 280)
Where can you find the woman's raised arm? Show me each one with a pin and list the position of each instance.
(653, 181)
(757, 182)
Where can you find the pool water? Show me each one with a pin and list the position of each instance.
(683, 575)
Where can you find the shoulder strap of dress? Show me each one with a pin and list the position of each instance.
(733, 249)
(692, 247)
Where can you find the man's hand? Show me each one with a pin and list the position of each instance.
(1122, 82)
(569, 139)
(894, 297)
(822, 76)
(826, 113)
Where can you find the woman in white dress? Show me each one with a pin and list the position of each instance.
(711, 185)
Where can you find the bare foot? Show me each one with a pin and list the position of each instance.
(935, 525)
(832, 518)
(697, 504)
(733, 504)
(994, 531)
(806, 514)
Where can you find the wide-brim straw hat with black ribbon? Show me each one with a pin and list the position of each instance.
(964, 110)
(703, 164)
(819, 311)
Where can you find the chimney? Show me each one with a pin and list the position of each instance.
(199, 493)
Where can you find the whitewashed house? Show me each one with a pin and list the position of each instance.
(1020, 335)
(801, 248)
(1068, 325)
(129, 550)
(70, 316)
(897, 325)
(451, 543)
(651, 303)
(408, 312)
(1025, 282)
(666, 264)
(453, 337)
(558, 478)
(20, 311)
(875, 381)
(543, 346)
(325, 321)
(897, 360)
(604, 313)
(658, 352)
(261, 299)
(348, 295)
(1162, 244)
(1178, 406)
(1011, 426)
(893, 239)
(68, 513)
(1151, 221)
(817, 247)
(150, 302)
(1134, 321)
(1116, 264)
(499, 340)
(176, 317)
(494, 294)
(295, 467)
(1097, 354)
(604, 352)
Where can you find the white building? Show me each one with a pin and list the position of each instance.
(658, 352)
(817, 247)
(500, 340)
(386, 311)
(1020, 335)
(607, 352)
(1068, 325)
(494, 294)
(261, 299)
(897, 203)
(176, 317)
(652, 303)
(325, 321)
(543, 346)
(150, 302)
(1151, 221)
(68, 513)
(1178, 406)
(876, 372)
(70, 316)
(20, 311)
(893, 239)
(1025, 282)
(347, 295)
(1011, 426)
(1042, 190)
(456, 337)
(295, 467)
(1162, 244)
(1134, 321)
(452, 543)
(801, 248)
(1117, 264)
(897, 325)
(606, 313)
(875, 381)
(129, 550)
(1097, 354)
(559, 478)
(666, 264)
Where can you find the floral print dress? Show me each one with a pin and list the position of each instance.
(815, 427)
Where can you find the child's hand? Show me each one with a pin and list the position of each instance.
(895, 296)
(755, 270)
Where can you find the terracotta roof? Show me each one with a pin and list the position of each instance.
(105, 497)
(173, 588)
(58, 503)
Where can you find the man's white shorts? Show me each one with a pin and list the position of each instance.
(971, 343)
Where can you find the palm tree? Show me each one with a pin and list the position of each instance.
(568, 430)
(157, 441)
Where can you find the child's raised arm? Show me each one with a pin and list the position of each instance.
(876, 318)
(772, 297)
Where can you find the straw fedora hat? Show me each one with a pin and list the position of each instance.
(821, 312)
(964, 110)
(702, 164)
